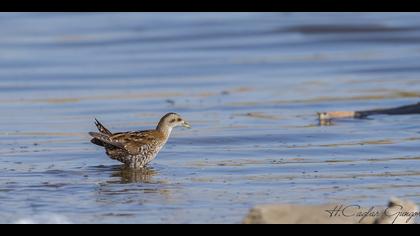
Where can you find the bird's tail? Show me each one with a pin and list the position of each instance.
(102, 128)
(98, 138)
(104, 140)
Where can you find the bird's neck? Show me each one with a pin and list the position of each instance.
(164, 129)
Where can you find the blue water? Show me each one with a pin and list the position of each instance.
(249, 83)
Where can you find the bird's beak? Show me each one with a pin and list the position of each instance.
(186, 124)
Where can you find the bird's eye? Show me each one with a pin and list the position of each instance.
(179, 119)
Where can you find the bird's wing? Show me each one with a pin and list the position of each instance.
(134, 142)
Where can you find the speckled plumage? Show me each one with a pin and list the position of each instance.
(138, 148)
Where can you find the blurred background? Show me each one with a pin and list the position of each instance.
(249, 83)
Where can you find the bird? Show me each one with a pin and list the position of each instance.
(136, 149)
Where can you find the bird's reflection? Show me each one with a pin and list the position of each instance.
(326, 123)
(129, 175)
(133, 186)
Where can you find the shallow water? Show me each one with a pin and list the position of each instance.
(250, 84)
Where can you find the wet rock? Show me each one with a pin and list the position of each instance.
(397, 212)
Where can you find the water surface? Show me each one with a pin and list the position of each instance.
(249, 83)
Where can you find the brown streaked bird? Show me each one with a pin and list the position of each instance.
(137, 148)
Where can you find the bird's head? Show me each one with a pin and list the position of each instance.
(172, 120)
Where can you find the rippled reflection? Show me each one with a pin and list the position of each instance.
(129, 175)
